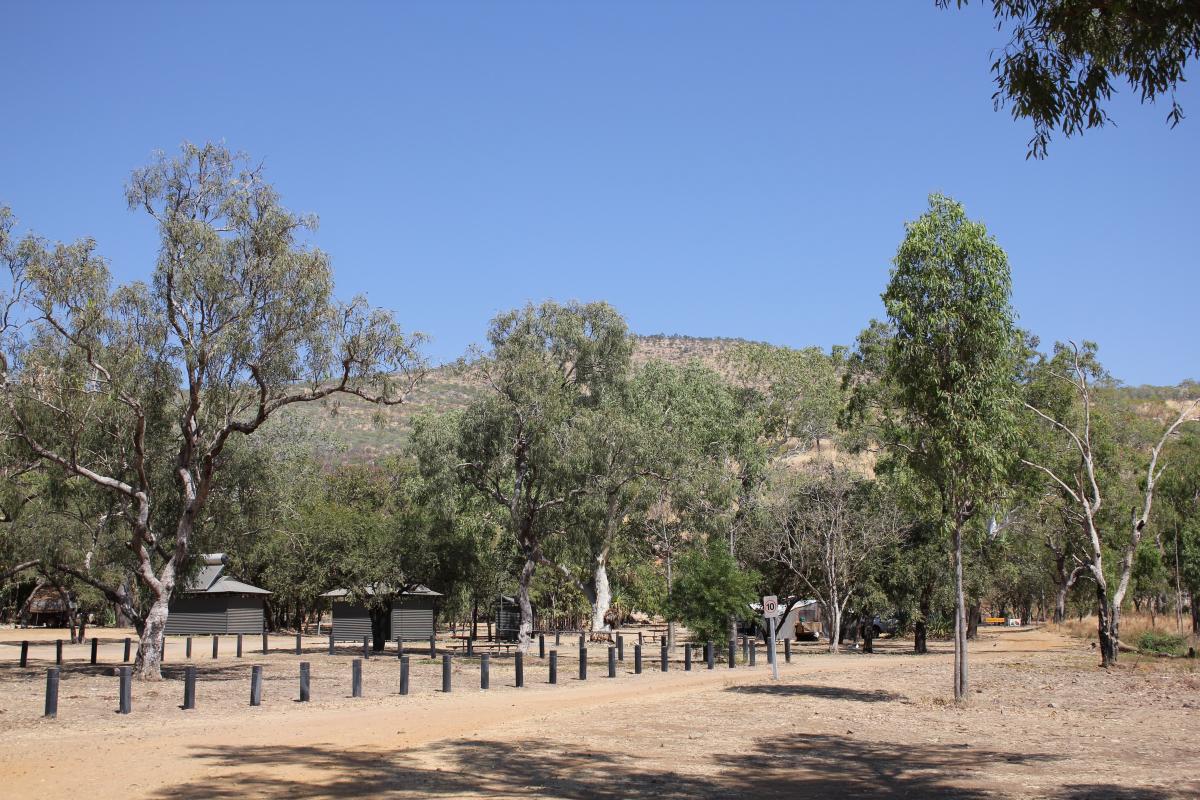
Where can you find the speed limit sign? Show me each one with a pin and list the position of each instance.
(770, 606)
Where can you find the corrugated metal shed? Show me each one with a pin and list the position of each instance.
(214, 603)
(412, 617)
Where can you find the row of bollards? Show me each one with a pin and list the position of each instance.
(58, 652)
(256, 675)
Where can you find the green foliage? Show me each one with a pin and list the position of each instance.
(1170, 644)
(709, 589)
(1063, 57)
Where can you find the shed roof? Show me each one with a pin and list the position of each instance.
(212, 580)
(419, 589)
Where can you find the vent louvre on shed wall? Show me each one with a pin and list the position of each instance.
(197, 615)
(412, 618)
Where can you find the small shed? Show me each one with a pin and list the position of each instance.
(215, 603)
(46, 606)
(508, 619)
(413, 614)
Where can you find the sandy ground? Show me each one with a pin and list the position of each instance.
(1043, 721)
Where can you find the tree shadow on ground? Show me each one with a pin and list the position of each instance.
(824, 692)
(1108, 791)
(807, 767)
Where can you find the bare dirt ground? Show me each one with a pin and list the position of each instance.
(1043, 721)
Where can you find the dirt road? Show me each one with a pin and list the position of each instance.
(848, 725)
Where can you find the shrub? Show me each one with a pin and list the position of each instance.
(708, 589)
(1161, 642)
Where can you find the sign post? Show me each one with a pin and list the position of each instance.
(770, 613)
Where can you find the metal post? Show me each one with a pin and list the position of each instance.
(366, 647)
(470, 647)
(126, 696)
(612, 662)
(484, 669)
(239, 645)
(582, 662)
(446, 673)
(95, 644)
(557, 638)
(745, 649)
(25, 654)
(752, 646)
(520, 669)
(787, 650)
(620, 648)
(637, 659)
(433, 646)
(305, 682)
(216, 644)
(356, 677)
(541, 645)
(664, 657)
(404, 675)
(58, 652)
(640, 638)
(331, 643)
(399, 648)
(189, 688)
(771, 654)
(582, 640)
(256, 685)
(687, 657)
(298, 648)
(553, 666)
(187, 648)
(52, 692)
(128, 643)
(265, 643)
(732, 653)
(710, 656)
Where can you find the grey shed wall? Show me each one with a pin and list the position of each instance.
(412, 619)
(208, 614)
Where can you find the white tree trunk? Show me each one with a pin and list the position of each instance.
(602, 601)
(148, 663)
(525, 631)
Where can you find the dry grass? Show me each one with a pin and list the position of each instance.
(1133, 625)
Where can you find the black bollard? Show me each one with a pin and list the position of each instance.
(662, 640)
(433, 647)
(95, 644)
(710, 656)
(557, 638)
(256, 685)
(687, 657)
(470, 646)
(399, 648)
(331, 643)
(582, 640)
(25, 654)
(637, 659)
(189, 688)
(305, 682)
(745, 650)
(404, 675)
(52, 692)
(128, 643)
(58, 652)
(366, 648)
(787, 650)
(187, 648)
(484, 669)
(265, 643)
(753, 648)
(553, 666)
(239, 645)
(216, 644)
(446, 673)
(612, 662)
(126, 697)
(640, 638)
(541, 645)
(664, 657)
(732, 653)
(582, 662)
(520, 669)
(356, 677)
(298, 649)
(620, 648)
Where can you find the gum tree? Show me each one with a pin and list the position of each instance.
(952, 361)
(136, 390)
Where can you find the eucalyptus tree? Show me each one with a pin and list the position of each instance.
(521, 444)
(831, 525)
(1180, 526)
(1063, 57)
(953, 362)
(115, 386)
(799, 390)
(1086, 469)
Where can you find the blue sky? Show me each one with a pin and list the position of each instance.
(712, 169)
